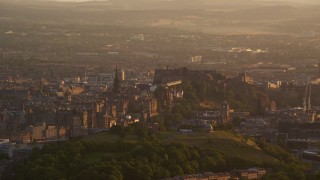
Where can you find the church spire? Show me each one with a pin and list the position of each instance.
(116, 82)
(116, 75)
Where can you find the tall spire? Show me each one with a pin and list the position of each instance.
(116, 75)
(116, 82)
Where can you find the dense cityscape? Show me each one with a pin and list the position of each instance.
(122, 90)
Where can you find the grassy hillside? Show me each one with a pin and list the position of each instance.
(227, 143)
(169, 154)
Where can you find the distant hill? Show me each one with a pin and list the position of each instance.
(222, 17)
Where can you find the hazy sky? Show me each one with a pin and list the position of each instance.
(294, 1)
(226, 1)
(80, 0)
(213, 0)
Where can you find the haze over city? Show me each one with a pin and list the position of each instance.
(159, 89)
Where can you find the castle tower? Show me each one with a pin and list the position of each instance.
(85, 119)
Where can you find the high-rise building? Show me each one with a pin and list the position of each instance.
(122, 74)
